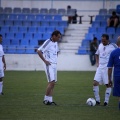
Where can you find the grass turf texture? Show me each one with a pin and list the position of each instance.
(24, 92)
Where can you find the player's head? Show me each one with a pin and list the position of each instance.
(105, 39)
(95, 39)
(113, 13)
(0, 38)
(56, 35)
(118, 41)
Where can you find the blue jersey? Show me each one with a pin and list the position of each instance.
(114, 61)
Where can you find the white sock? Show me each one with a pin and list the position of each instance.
(96, 93)
(107, 94)
(1, 86)
(50, 99)
(46, 97)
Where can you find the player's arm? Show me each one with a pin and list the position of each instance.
(97, 59)
(3, 60)
(42, 57)
(109, 76)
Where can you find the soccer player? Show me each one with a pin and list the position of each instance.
(48, 52)
(114, 61)
(101, 75)
(2, 66)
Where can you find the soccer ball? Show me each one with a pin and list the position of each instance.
(91, 102)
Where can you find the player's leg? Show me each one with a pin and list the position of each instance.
(115, 22)
(1, 81)
(97, 78)
(108, 88)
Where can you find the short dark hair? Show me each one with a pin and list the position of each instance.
(56, 32)
(94, 38)
(106, 36)
(0, 35)
(113, 13)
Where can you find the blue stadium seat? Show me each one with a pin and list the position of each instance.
(61, 11)
(49, 17)
(5, 29)
(11, 49)
(100, 18)
(27, 23)
(13, 17)
(52, 11)
(28, 36)
(34, 42)
(96, 24)
(22, 16)
(44, 23)
(23, 29)
(41, 29)
(31, 17)
(98, 36)
(1, 23)
(17, 10)
(6, 42)
(103, 12)
(92, 30)
(19, 35)
(30, 50)
(24, 42)
(14, 29)
(10, 35)
(4, 16)
(43, 11)
(57, 17)
(1, 10)
(61, 29)
(118, 9)
(50, 29)
(34, 10)
(26, 10)
(8, 23)
(7, 10)
(101, 30)
(117, 30)
(54, 23)
(17, 23)
(111, 10)
(115, 36)
(63, 23)
(85, 43)
(103, 24)
(37, 36)
(40, 17)
(89, 36)
(82, 50)
(32, 29)
(35, 23)
(15, 42)
(110, 30)
(46, 36)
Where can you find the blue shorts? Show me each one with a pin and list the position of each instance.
(116, 87)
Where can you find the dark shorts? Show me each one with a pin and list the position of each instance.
(116, 88)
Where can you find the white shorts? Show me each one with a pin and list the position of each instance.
(1, 73)
(101, 75)
(51, 72)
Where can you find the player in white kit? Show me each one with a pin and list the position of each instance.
(48, 52)
(101, 76)
(2, 66)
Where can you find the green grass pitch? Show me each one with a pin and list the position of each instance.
(24, 92)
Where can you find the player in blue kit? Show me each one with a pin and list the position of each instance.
(114, 61)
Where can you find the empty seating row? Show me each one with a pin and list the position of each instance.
(30, 17)
(52, 11)
(15, 29)
(33, 23)
(20, 49)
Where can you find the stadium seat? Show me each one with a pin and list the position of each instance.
(101, 30)
(13, 29)
(100, 18)
(52, 11)
(49, 17)
(23, 29)
(110, 30)
(96, 24)
(1, 23)
(89, 36)
(19, 36)
(50, 29)
(8, 23)
(11, 49)
(26, 23)
(7, 10)
(103, 24)
(34, 42)
(46, 36)
(82, 50)
(20, 49)
(61, 11)
(117, 30)
(6, 42)
(1, 10)
(118, 9)
(92, 30)
(31, 17)
(17, 23)
(54, 23)
(44, 11)
(61, 29)
(13, 17)
(63, 23)
(24, 42)
(35, 23)
(30, 50)
(15, 42)
(41, 29)
(10, 35)
(57, 18)
(98, 36)
(5, 29)
(44, 23)
(32, 29)
(22, 16)
(40, 17)
(28, 36)
(115, 36)
(17, 10)
(111, 10)
(34, 10)
(103, 12)
(26, 10)
(37, 36)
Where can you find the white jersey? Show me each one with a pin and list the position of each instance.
(1, 55)
(50, 50)
(104, 53)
